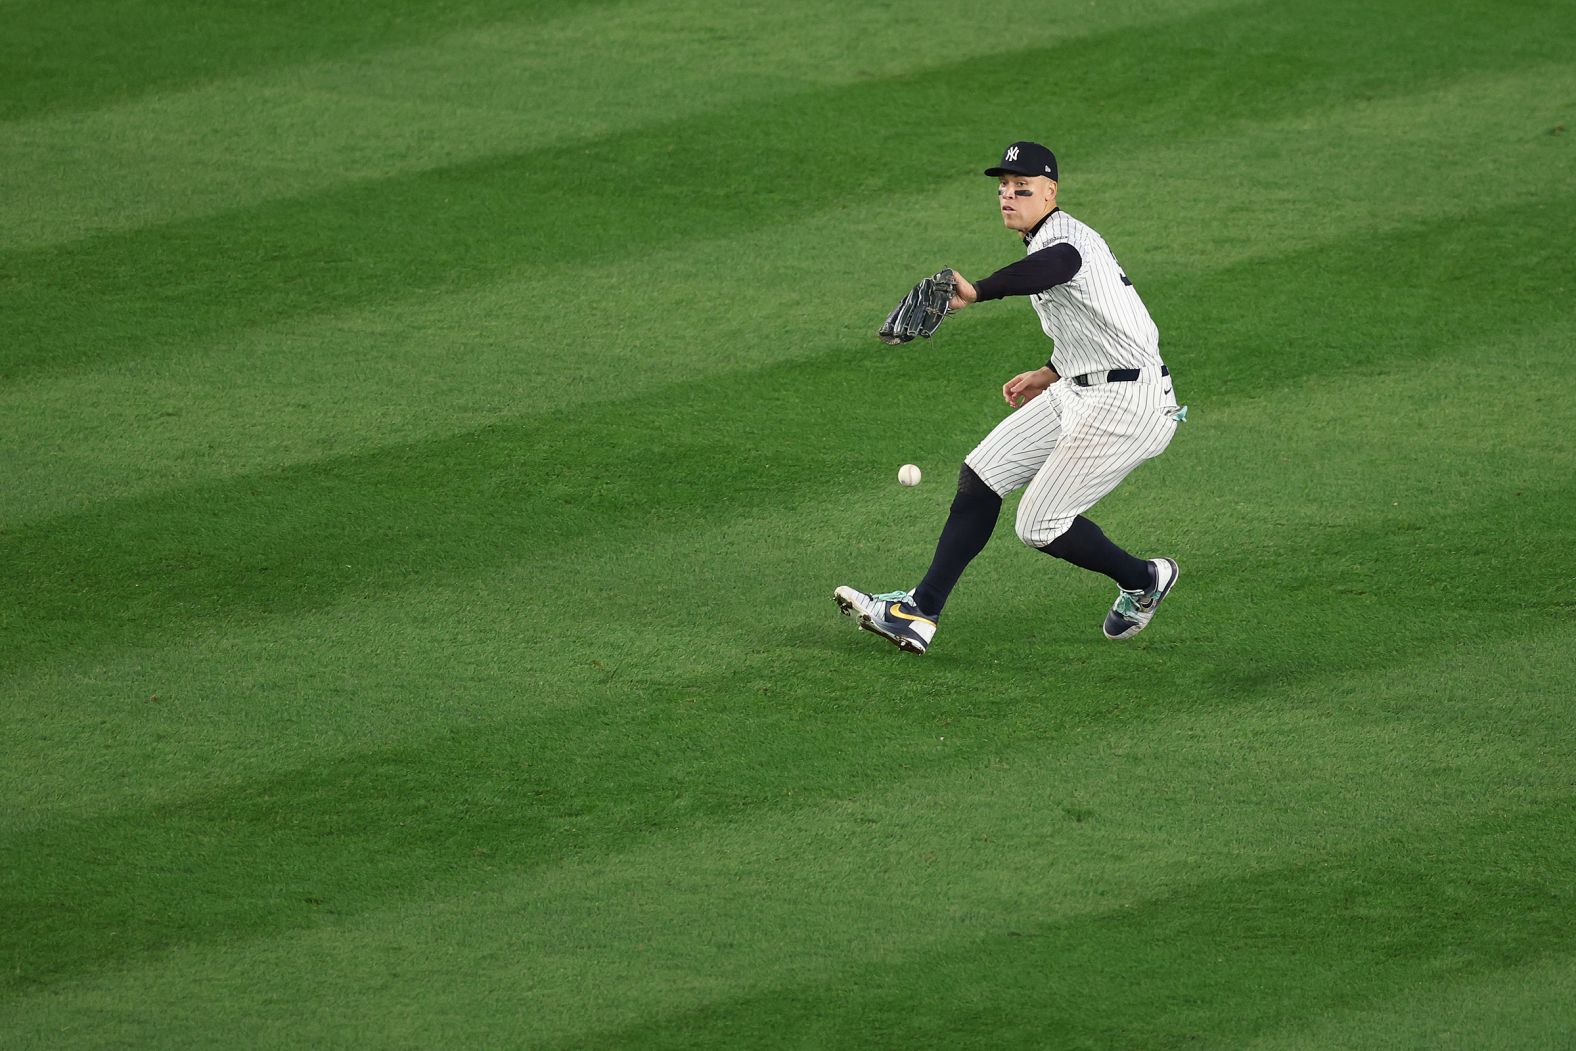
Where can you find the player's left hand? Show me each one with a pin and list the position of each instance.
(921, 311)
(963, 293)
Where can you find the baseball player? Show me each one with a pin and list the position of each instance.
(1102, 405)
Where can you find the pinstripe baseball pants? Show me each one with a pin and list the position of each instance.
(1072, 445)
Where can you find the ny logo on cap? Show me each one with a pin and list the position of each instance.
(1011, 154)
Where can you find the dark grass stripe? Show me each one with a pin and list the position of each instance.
(158, 289)
(1225, 960)
(57, 57)
(144, 571)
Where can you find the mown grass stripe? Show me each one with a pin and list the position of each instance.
(1509, 1009)
(58, 58)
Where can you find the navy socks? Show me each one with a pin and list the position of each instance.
(1085, 546)
(968, 528)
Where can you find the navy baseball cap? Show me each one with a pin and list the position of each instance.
(1026, 158)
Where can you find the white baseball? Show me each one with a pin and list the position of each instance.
(908, 474)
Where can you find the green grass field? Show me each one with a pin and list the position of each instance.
(430, 435)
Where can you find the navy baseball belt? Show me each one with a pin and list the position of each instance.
(1089, 379)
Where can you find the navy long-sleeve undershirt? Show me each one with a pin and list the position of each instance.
(1035, 272)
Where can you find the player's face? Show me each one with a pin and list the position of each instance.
(1025, 200)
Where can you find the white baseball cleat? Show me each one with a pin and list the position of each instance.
(893, 616)
(1133, 610)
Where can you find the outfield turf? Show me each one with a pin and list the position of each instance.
(430, 435)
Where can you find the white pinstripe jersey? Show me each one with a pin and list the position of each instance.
(1096, 320)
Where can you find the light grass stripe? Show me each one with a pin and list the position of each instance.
(1511, 1009)
(64, 58)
